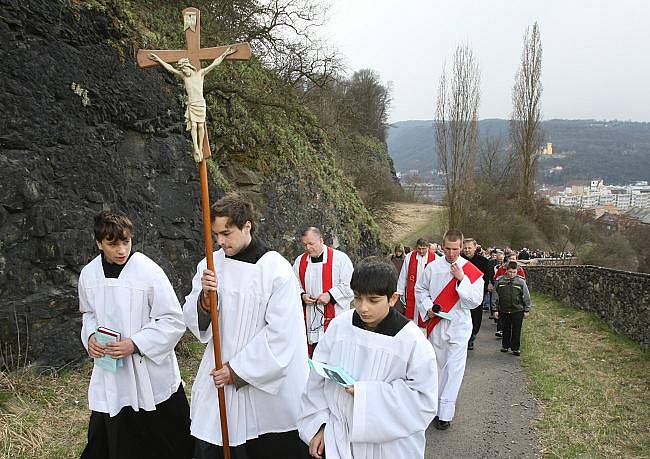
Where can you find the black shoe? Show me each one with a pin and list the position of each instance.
(499, 334)
(504, 349)
(517, 353)
(441, 425)
(470, 346)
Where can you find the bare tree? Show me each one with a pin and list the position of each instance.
(457, 131)
(282, 34)
(525, 126)
(369, 103)
(495, 163)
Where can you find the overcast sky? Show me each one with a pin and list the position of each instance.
(596, 54)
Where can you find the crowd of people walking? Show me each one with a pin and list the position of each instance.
(321, 358)
(505, 296)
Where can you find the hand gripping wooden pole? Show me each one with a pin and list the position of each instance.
(194, 52)
(214, 312)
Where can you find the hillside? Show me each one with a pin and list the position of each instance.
(617, 151)
(83, 129)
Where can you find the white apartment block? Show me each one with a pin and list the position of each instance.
(597, 194)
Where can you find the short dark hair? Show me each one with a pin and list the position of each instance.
(399, 248)
(421, 242)
(237, 209)
(111, 225)
(453, 235)
(512, 265)
(374, 276)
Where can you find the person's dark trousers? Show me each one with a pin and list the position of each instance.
(511, 323)
(477, 317)
(285, 445)
(159, 434)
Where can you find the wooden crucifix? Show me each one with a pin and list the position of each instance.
(189, 68)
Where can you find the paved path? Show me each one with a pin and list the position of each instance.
(494, 412)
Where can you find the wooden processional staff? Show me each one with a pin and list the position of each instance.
(189, 69)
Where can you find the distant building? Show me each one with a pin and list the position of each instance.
(641, 215)
(613, 221)
(546, 151)
(410, 173)
(594, 194)
(595, 185)
(433, 192)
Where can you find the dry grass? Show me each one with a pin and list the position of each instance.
(593, 384)
(45, 414)
(406, 222)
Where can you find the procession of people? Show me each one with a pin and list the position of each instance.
(394, 343)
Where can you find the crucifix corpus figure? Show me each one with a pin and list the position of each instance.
(189, 62)
(193, 79)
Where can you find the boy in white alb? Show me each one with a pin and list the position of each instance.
(385, 413)
(139, 410)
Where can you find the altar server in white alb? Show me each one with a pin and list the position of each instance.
(324, 275)
(139, 408)
(385, 413)
(411, 271)
(453, 285)
(262, 342)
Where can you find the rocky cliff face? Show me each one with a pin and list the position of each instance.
(83, 129)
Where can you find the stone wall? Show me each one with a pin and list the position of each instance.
(620, 298)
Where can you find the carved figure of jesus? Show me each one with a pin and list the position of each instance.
(196, 108)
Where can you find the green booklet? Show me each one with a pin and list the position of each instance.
(332, 372)
(104, 336)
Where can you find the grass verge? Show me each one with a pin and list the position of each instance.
(44, 413)
(593, 384)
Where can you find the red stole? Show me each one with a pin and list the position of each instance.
(448, 296)
(329, 312)
(412, 279)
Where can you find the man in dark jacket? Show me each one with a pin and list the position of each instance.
(470, 253)
(511, 304)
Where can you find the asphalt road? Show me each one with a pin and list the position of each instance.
(493, 412)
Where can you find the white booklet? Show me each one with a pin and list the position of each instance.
(333, 373)
(443, 315)
(104, 336)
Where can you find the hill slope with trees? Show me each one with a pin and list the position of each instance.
(616, 151)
